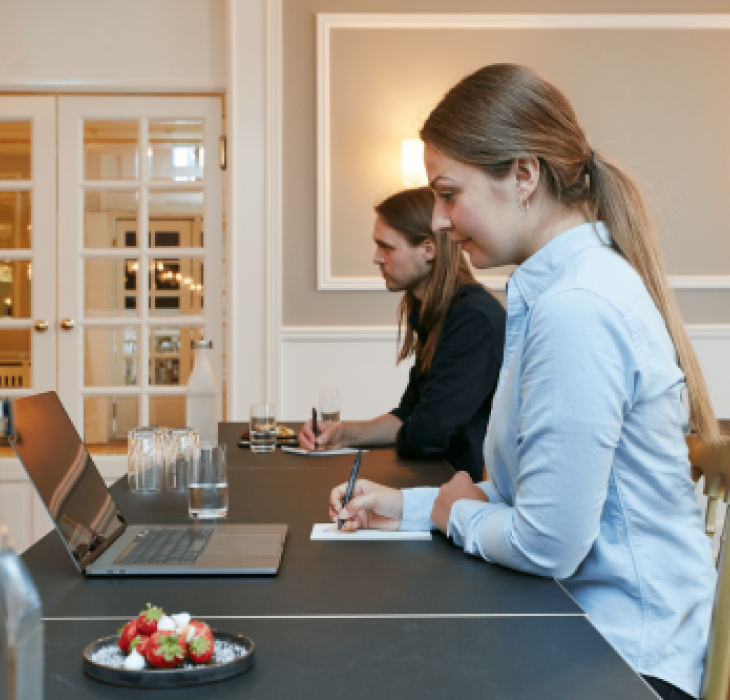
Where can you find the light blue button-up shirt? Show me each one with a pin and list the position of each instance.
(589, 475)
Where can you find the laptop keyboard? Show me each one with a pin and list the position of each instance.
(166, 546)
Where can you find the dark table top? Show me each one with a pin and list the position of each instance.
(407, 618)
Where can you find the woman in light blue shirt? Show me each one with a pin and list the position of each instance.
(589, 476)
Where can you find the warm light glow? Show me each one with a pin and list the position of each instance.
(188, 280)
(178, 276)
(30, 270)
(411, 163)
(149, 152)
(8, 301)
(160, 266)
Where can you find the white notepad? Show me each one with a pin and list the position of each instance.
(320, 453)
(328, 531)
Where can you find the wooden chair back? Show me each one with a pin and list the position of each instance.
(714, 464)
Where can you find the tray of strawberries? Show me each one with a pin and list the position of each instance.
(167, 651)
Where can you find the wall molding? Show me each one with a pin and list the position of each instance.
(274, 67)
(378, 334)
(326, 22)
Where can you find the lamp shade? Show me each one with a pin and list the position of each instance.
(411, 163)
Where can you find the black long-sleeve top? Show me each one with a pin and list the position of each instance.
(446, 410)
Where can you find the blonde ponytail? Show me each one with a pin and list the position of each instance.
(616, 201)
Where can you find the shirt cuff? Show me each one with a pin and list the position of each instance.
(402, 414)
(465, 523)
(417, 507)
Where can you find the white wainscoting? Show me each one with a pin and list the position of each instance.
(21, 509)
(360, 361)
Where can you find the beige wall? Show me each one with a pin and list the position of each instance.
(663, 121)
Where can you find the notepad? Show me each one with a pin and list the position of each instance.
(328, 531)
(320, 453)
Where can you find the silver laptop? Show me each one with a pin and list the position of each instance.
(92, 527)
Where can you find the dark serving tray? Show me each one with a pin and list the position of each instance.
(170, 677)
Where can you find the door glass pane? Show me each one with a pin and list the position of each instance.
(176, 287)
(108, 419)
(110, 150)
(168, 411)
(15, 358)
(14, 150)
(176, 219)
(15, 219)
(110, 287)
(171, 358)
(110, 356)
(176, 150)
(15, 281)
(110, 219)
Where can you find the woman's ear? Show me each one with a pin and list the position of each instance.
(527, 175)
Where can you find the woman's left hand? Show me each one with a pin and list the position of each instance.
(460, 486)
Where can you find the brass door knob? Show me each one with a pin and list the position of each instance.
(41, 326)
(67, 324)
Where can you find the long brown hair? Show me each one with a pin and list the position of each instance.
(504, 112)
(410, 212)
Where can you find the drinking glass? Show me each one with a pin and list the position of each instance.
(208, 482)
(182, 445)
(262, 428)
(329, 405)
(145, 459)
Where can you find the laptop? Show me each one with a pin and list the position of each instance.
(95, 532)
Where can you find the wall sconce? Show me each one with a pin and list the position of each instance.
(411, 163)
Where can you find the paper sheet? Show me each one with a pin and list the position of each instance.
(328, 531)
(320, 453)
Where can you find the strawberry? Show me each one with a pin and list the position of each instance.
(140, 644)
(200, 649)
(126, 635)
(166, 650)
(195, 628)
(147, 620)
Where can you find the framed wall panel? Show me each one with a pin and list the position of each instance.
(644, 88)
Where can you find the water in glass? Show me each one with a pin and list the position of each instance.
(208, 482)
(262, 428)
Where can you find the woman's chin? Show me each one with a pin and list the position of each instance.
(479, 260)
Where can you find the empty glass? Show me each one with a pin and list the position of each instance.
(329, 405)
(208, 482)
(262, 428)
(145, 458)
(182, 446)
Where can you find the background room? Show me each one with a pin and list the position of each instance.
(271, 257)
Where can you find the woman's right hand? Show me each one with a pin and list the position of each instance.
(330, 436)
(372, 507)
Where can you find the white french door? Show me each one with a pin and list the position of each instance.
(27, 245)
(140, 220)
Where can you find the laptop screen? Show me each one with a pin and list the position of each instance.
(64, 475)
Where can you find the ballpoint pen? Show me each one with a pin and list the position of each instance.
(350, 485)
(314, 426)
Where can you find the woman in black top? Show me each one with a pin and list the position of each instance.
(455, 328)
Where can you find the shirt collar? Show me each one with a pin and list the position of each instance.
(539, 271)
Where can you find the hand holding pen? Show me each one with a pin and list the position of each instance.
(350, 485)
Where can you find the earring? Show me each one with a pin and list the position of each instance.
(523, 204)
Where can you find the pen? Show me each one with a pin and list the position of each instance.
(350, 485)
(314, 426)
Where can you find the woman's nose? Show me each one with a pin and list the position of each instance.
(440, 221)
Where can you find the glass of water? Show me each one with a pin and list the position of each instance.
(208, 482)
(262, 428)
(182, 444)
(329, 405)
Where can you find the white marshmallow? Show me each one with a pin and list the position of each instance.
(135, 661)
(166, 624)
